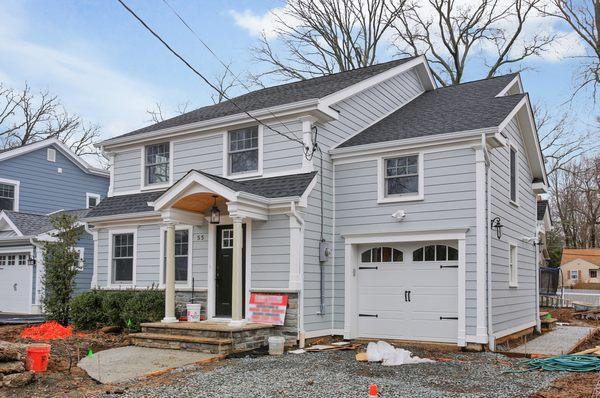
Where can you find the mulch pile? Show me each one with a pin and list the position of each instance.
(47, 331)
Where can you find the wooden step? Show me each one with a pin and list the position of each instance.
(211, 345)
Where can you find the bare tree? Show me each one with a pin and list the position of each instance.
(583, 17)
(26, 117)
(451, 36)
(320, 37)
(225, 81)
(158, 115)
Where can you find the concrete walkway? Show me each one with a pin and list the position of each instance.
(559, 341)
(126, 363)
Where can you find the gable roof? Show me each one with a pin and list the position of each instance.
(293, 185)
(30, 224)
(64, 149)
(589, 255)
(288, 93)
(468, 106)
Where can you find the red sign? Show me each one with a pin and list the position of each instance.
(268, 308)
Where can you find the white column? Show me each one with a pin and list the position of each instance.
(295, 252)
(170, 276)
(236, 279)
(480, 221)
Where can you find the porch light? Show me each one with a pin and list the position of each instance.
(497, 225)
(215, 214)
(31, 261)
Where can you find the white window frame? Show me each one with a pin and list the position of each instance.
(89, 195)
(17, 186)
(163, 248)
(226, 168)
(513, 258)
(81, 262)
(381, 195)
(109, 279)
(51, 155)
(143, 185)
(576, 278)
(229, 238)
(512, 146)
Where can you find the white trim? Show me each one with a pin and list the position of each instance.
(51, 155)
(17, 185)
(512, 330)
(81, 261)
(512, 146)
(247, 174)
(323, 332)
(513, 275)
(381, 196)
(462, 289)
(82, 164)
(4, 216)
(296, 226)
(89, 195)
(94, 233)
(510, 85)
(147, 187)
(481, 167)
(109, 280)
(178, 227)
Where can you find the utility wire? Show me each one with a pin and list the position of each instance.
(201, 76)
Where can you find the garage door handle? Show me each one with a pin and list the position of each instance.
(448, 266)
(369, 315)
(367, 267)
(407, 296)
(443, 318)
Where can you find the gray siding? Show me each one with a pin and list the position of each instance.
(83, 280)
(356, 113)
(271, 253)
(43, 189)
(449, 202)
(281, 154)
(127, 165)
(512, 307)
(201, 153)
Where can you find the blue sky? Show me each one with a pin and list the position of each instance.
(105, 67)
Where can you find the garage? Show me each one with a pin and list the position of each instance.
(16, 278)
(408, 291)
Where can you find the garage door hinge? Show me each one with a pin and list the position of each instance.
(448, 266)
(442, 318)
(369, 315)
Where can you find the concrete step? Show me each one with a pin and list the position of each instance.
(211, 345)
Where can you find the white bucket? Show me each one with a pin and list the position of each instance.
(276, 345)
(193, 312)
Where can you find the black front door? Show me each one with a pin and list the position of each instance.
(224, 267)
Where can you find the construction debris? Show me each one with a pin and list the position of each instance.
(342, 345)
(12, 367)
(388, 355)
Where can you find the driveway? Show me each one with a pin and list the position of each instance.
(337, 374)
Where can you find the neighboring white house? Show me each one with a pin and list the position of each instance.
(384, 231)
(580, 267)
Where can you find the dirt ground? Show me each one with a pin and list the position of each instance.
(64, 378)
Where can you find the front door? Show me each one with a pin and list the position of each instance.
(224, 268)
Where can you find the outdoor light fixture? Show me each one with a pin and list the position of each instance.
(31, 261)
(215, 214)
(497, 225)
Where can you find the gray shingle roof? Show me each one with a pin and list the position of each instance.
(466, 106)
(34, 224)
(271, 187)
(277, 95)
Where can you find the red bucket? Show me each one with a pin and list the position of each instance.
(37, 357)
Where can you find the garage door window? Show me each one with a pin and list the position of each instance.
(383, 254)
(435, 253)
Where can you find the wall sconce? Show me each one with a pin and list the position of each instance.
(31, 261)
(497, 225)
(215, 214)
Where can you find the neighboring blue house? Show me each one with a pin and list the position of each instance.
(35, 181)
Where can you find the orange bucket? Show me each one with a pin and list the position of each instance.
(37, 357)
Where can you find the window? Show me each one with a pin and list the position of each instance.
(157, 163)
(22, 259)
(51, 155)
(122, 260)
(593, 273)
(91, 200)
(402, 175)
(7, 197)
(513, 174)
(435, 253)
(381, 255)
(181, 255)
(243, 150)
(227, 239)
(513, 271)
(574, 274)
(80, 259)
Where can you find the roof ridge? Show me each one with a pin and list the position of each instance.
(479, 80)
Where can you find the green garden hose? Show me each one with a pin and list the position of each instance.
(565, 363)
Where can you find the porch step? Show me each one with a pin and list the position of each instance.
(211, 345)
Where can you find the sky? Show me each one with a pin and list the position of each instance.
(105, 67)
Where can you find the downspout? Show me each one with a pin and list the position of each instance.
(491, 342)
(298, 217)
(538, 321)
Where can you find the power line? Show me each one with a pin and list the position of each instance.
(224, 95)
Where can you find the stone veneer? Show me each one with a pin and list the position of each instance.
(185, 297)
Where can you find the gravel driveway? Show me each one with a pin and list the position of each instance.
(337, 374)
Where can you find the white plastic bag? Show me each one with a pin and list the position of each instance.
(390, 356)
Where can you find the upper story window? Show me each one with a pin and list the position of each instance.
(7, 197)
(513, 174)
(243, 150)
(157, 165)
(91, 200)
(401, 178)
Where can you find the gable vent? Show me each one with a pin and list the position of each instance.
(51, 155)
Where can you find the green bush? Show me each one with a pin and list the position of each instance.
(99, 308)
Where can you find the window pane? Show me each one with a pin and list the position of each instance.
(157, 163)
(440, 253)
(244, 161)
(6, 204)
(513, 174)
(402, 185)
(386, 254)
(429, 253)
(398, 256)
(452, 254)
(7, 195)
(157, 173)
(376, 254)
(92, 202)
(123, 269)
(418, 255)
(181, 269)
(365, 257)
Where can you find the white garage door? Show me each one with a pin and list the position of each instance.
(15, 283)
(408, 292)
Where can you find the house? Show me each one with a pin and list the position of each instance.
(37, 180)
(544, 225)
(580, 267)
(414, 219)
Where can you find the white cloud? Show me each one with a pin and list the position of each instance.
(256, 24)
(85, 84)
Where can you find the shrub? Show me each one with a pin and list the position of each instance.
(145, 306)
(113, 304)
(86, 310)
